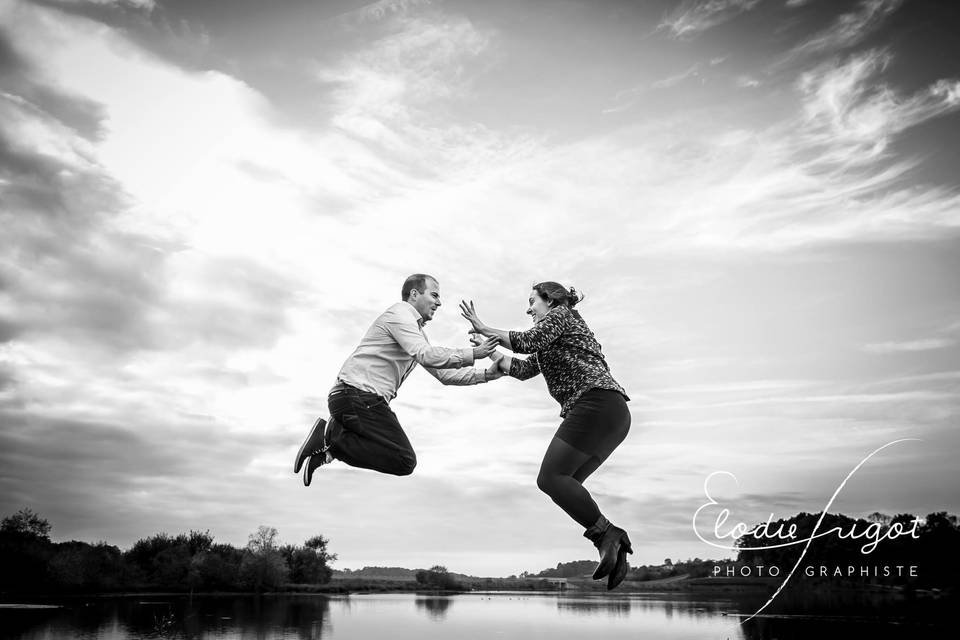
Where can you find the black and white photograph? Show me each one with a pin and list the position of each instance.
(428, 319)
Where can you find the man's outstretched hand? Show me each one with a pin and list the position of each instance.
(495, 370)
(501, 363)
(476, 340)
(484, 348)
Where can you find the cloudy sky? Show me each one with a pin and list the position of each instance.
(204, 205)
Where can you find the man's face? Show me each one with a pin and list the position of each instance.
(426, 303)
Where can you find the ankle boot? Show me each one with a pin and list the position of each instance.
(609, 540)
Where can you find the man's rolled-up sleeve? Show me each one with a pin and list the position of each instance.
(461, 377)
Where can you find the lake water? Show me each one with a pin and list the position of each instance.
(467, 616)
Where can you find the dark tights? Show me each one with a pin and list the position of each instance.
(562, 472)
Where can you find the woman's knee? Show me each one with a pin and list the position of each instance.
(547, 482)
(587, 469)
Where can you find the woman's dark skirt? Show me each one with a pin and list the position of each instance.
(597, 423)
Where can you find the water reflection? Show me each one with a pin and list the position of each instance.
(15, 623)
(879, 615)
(476, 616)
(434, 606)
(595, 606)
(803, 627)
(230, 617)
(692, 607)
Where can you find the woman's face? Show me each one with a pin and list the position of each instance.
(538, 306)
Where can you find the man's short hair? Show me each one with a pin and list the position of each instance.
(417, 281)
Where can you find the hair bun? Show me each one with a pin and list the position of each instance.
(574, 297)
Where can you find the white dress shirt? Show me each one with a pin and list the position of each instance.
(393, 345)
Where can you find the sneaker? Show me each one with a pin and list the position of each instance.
(314, 462)
(311, 445)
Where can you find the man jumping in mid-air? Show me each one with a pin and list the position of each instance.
(363, 431)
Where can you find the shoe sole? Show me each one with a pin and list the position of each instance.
(307, 473)
(307, 476)
(301, 458)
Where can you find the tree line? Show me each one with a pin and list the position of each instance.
(192, 561)
(692, 568)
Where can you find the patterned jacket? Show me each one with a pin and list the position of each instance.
(566, 353)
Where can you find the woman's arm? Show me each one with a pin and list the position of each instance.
(521, 369)
(541, 335)
(534, 339)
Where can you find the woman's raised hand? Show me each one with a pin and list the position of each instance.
(470, 313)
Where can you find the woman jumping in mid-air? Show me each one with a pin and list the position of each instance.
(593, 407)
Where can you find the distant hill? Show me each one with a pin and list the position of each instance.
(381, 573)
(387, 573)
(574, 569)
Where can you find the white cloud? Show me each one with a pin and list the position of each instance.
(695, 16)
(624, 100)
(392, 95)
(688, 182)
(628, 98)
(848, 29)
(31, 128)
(823, 174)
(137, 4)
(846, 101)
(384, 9)
(676, 79)
(910, 345)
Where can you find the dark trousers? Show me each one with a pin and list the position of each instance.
(368, 435)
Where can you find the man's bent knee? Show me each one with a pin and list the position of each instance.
(406, 466)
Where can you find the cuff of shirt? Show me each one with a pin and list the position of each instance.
(466, 357)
